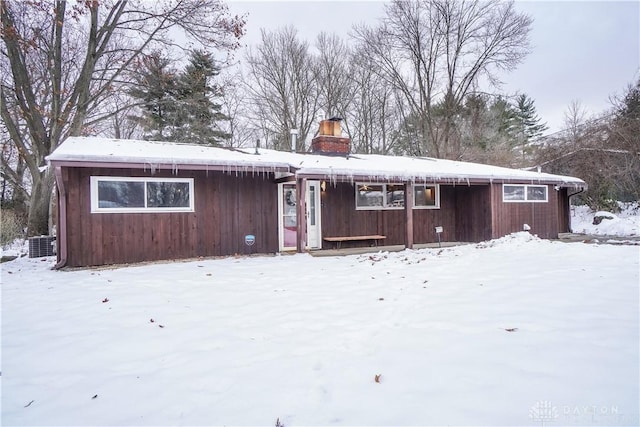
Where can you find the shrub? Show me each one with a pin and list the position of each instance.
(11, 227)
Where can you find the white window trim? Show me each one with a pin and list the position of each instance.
(95, 206)
(437, 205)
(385, 207)
(526, 187)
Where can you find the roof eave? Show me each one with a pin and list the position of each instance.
(237, 167)
(438, 179)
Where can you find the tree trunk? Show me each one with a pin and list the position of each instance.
(40, 202)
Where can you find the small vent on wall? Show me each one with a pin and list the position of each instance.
(42, 246)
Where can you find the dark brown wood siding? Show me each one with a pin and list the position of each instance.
(473, 213)
(510, 217)
(226, 209)
(426, 220)
(464, 215)
(340, 217)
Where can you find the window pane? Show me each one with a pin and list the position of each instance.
(369, 196)
(120, 194)
(395, 195)
(424, 195)
(167, 194)
(312, 204)
(537, 192)
(289, 218)
(513, 192)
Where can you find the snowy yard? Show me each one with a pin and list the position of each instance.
(517, 331)
(626, 223)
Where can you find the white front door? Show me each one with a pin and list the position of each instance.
(314, 235)
(287, 221)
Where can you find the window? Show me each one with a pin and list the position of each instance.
(133, 194)
(524, 193)
(391, 196)
(426, 196)
(370, 196)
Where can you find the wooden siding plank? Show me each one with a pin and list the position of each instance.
(226, 209)
(543, 217)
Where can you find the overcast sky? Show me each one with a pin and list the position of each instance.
(582, 50)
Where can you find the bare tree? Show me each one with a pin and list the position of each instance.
(435, 52)
(602, 150)
(61, 60)
(282, 83)
(235, 108)
(373, 114)
(332, 74)
(575, 118)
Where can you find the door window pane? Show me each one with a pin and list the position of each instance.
(289, 219)
(312, 204)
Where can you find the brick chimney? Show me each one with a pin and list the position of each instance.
(330, 140)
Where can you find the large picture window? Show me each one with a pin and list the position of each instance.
(133, 194)
(524, 193)
(391, 196)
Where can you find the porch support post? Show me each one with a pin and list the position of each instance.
(408, 210)
(301, 216)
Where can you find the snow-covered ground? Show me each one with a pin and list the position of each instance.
(516, 331)
(623, 224)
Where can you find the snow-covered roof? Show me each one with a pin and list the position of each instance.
(95, 150)
(156, 153)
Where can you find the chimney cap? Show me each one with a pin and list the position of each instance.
(335, 119)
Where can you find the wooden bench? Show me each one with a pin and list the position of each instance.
(339, 239)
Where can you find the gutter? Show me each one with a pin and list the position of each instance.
(61, 237)
(575, 194)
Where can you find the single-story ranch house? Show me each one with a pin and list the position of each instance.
(125, 201)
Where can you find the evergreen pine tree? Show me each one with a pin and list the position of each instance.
(528, 120)
(198, 111)
(506, 118)
(155, 86)
(529, 126)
